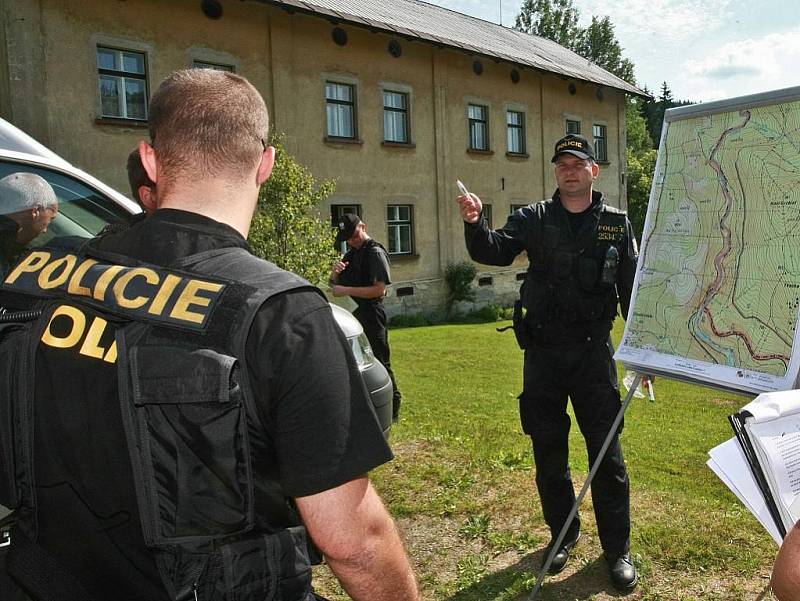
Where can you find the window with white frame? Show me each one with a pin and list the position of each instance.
(395, 117)
(573, 126)
(340, 109)
(122, 77)
(599, 132)
(515, 120)
(216, 66)
(400, 225)
(478, 116)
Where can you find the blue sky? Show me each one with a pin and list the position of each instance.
(704, 49)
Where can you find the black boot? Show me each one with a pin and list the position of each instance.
(622, 571)
(561, 557)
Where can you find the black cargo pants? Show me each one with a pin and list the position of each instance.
(584, 371)
(373, 319)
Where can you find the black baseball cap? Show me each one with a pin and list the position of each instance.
(347, 226)
(574, 144)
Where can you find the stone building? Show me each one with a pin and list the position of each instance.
(395, 99)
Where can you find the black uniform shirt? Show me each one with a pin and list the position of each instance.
(501, 246)
(365, 266)
(321, 424)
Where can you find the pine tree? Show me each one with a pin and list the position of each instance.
(666, 95)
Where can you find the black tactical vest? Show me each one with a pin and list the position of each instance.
(570, 283)
(191, 425)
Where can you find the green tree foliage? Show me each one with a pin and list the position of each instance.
(653, 111)
(555, 20)
(666, 94)
(599, 44)
(285, 229)
(641, 158)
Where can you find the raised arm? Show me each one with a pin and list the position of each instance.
(360, 542)
(487, 246)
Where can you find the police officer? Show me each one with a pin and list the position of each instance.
(582, 256)
(363, 274)
(196, 410)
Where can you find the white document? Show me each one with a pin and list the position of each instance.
(772, 426)
(777, 445)
(728, 462)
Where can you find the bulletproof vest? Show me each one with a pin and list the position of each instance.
(571, 278)
(189, 416)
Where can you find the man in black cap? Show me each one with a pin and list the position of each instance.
(582, 256)
(363, 274)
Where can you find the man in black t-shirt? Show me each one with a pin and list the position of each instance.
(293, 425)
(363, 274)
(582, 257)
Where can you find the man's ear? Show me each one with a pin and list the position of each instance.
(595, 169)
(148, 158)
(147, 198)
(266, 165)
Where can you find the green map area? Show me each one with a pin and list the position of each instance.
(719, 278)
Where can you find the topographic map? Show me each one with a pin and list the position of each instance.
(718, 280)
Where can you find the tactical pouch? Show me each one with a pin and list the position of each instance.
(521, 332)
(266, 567)
(187, 418)
(518, 319)
(271, 566)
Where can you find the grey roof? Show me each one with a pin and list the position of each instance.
(419, 20)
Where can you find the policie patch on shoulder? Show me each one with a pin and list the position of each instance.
(144, 293)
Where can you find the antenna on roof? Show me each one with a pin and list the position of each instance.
(501, 13)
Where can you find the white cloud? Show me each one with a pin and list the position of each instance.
(662, 22)
(748, 66)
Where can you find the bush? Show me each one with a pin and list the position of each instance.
(285, 228)
(458, 277)
(487, 314)
(414, 320)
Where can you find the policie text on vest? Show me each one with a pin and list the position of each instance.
(143, 292)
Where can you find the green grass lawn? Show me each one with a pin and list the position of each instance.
(462, 491)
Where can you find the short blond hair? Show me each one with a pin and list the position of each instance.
(207, 122)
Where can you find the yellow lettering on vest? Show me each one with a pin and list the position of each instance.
(166, 290)
(104, 280)
(48, 279)
(189, 297)
(91, 345)
(75, 333)
(119, 287)
(32, 263)
(111, 355)
(75, 281)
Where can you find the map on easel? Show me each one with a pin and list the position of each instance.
(717, 287)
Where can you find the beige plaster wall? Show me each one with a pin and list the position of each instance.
(50, 89)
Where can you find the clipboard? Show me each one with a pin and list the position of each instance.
(737, 422)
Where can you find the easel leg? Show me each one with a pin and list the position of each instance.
(574, 511)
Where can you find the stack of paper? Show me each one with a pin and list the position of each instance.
(761, 465)
(728, 463)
